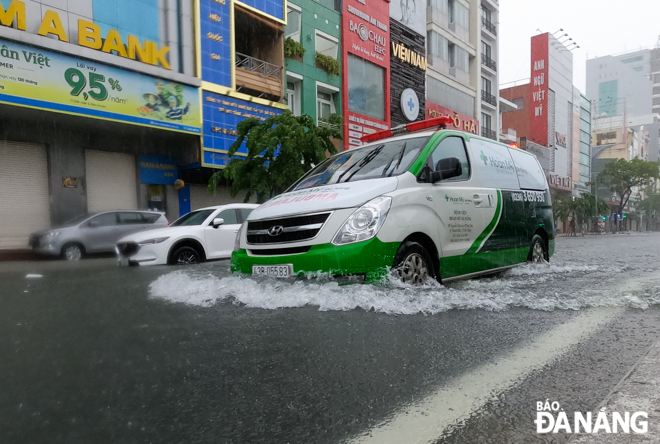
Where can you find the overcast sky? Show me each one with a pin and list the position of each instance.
(596, 25)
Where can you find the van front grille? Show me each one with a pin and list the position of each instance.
(288, 229)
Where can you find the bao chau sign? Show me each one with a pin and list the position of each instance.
(461, 121)
(89, 34)
(366, 36)
(538, 112)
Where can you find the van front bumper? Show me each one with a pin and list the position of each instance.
(370, 258)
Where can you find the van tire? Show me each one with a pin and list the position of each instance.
(538, 251)
(413, 264)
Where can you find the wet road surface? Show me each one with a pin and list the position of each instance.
(96, 353)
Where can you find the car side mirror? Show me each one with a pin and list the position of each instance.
(217, 222)
(446, 169)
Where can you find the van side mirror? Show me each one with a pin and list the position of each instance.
(217, 222)
(446, 169)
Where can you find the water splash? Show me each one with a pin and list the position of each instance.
(536, 286)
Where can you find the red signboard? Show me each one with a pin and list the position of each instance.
(366, 34)
(538, 111)
(461, 121)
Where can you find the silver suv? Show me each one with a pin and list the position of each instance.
(93, 233)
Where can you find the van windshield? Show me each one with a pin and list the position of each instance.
(376, 160)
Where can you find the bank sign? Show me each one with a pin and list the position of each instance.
(51, 81)
(47, 22)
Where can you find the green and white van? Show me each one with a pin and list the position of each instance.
(441, 204)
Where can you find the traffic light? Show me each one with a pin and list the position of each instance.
(604, 218)
(625, 215)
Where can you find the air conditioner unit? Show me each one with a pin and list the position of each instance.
(452, 26)
(452, 71)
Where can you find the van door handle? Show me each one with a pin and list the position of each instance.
(476, 198)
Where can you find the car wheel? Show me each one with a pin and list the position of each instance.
(185, 256)
(72, 252)
(413, 264)
(538, 252)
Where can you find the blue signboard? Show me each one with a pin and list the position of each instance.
(221, 115)
(216, 41)
(160, 170)
(273, 8)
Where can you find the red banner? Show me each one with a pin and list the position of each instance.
(366, 34)
(538, 112)
(461, 121)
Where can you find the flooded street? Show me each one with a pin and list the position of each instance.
(98, 353)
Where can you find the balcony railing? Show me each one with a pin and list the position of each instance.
(258, 66)
(490, 27)
(485, 60)
(489, 98)
(487, 132)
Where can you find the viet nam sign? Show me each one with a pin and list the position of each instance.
(48, 80)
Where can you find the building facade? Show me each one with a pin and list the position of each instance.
(462, 76)
(553, 119)
(310, 88)
(100, 108)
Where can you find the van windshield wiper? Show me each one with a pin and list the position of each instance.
(398, 163)
(368, 158)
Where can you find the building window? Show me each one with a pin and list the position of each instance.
(485, 121)
(486, 85)
(324, 105)
(326, 99)
(486, 14)
(326, 44)
(438, 46)
(607, 98)
(366, 88)
(486, 50)
(294, 17)
(293, 96)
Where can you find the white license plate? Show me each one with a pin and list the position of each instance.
(123, 261)
(280, 271)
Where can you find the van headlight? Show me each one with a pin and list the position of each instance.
(237, 241)
(365, 222)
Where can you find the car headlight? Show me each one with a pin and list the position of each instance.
(156, 240)
(237, 241)
(52, 234)
(365, 222)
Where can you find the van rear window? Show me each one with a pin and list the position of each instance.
(383, 159)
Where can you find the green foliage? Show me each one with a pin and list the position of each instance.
(293, 48)
(328, 64)
(585, 207)
(280, 150)
(621, 176)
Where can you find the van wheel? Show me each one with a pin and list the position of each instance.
(185, 256)
(538, 252)
(413, 264)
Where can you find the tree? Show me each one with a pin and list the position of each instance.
(280, 150)
(622, 176)
(584, 207)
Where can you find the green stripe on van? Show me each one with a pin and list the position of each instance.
(490, 228)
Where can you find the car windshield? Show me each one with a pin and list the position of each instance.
(373, 161)
(194, 218)
(77, 220)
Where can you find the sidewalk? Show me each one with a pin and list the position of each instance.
(639, 391)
